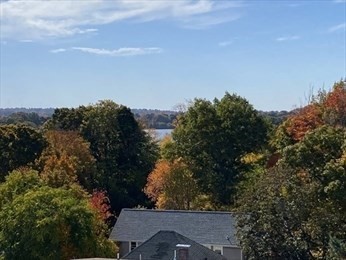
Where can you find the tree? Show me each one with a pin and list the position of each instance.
(40, 222)
(100, 203)
(283, 219)
(326, 108)
(334, 105)
(212, 137)
(19, 182)
(19, 146)
(297, 209)
(124, 153)
(306, 119)
(337, 249)
(29, 119)
(67, 119)
(321, 154)
(171, 186)
(67, 159)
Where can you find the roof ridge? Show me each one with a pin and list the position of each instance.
(178, 237)
(180, 211)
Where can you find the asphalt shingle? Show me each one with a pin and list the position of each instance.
(204, 227)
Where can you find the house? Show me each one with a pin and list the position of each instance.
(168, 245)
(212, 229)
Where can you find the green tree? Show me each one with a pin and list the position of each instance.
(19, 182)
(337, 249)
(297, 210)
(283, 219)
(19, 146)
(29, 119)
(265, 231)
(67, 119)
(321, 154)
(212, 137)
(40, 222)
(125, 154)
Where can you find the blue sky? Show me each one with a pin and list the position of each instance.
(158, 54)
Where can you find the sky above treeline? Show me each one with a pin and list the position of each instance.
(158, 54)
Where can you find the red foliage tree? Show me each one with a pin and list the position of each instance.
(100, 203)
(335, 105)
(305, 120)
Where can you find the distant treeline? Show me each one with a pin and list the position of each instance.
(277, 117)
(27, 118)
(150, 118)
(43, 112)
(157, 119)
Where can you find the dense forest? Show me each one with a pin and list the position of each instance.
(65, 176)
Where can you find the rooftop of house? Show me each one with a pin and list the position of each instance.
(163, 246)
(204, 227)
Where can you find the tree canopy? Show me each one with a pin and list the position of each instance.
(212, 137)
(67, 158)
(171, 186)
(40, 222)
(124, 153)
(19, 146)
(297, 208)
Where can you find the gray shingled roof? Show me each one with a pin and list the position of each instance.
(204, 227)
(161, 246)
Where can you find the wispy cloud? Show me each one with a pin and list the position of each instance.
(26, 41)
(205, 22)
(288, 38)
(339, 1)
(225, 43)
(41, 19)
(293, 5)
(58, 50)
(121, 52)
(338, 27)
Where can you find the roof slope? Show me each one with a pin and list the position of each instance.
(161, 246)
(204, 227)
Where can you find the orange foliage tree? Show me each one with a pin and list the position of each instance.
(327, 109)
(156, 180)
(67, 159)
(171, 186)
(305, 120)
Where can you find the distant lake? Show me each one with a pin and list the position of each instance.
(160, 133)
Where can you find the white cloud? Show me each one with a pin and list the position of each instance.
(225, 43)
(58, 50)
(121, 52)
(228, 42)
(339, 1)
(41, 19)
(288, 38)
(338, 27)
